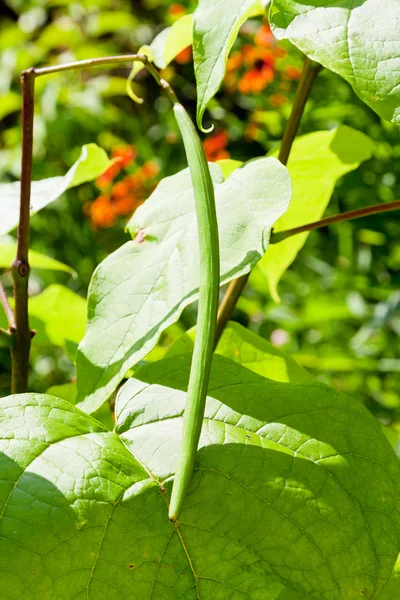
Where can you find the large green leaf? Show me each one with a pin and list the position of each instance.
(164, 48)
(215, 28)
(392, 589)
(57, 314)
(141, 289)
(294, 485)
(250, 350)
(316, 162)
(92, 162)
(358, 39)
(8, 252)
(171, 41)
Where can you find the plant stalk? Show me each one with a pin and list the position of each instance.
(20, 267)
(306, 82)
(346, 216)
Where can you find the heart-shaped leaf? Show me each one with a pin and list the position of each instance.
(141, 289)
(316, 162)
(215, 28)
(294, 485)
(92, 162)
(171, 41)
(358, 39)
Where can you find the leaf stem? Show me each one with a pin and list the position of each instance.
(235, 288)
(346, 216)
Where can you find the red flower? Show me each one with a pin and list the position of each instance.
(101, 212)
(185, 56)
(124, 196)
(125, 154)
(214, 146)
(261, 72)
(264, 37)
(277, 100)
(105, 180)
(176, 10)
(292, 72)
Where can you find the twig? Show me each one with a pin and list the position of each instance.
(7, 308)
(235, 288)
(22, 333)
(346, 216)
(20, 266)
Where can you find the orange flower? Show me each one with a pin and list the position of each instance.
(123, 156)
(261, 62)
(126, 155)
(124, 196)
(121, 188)
(234, 62)
(101, 212)
(264, 36)
(105, 180)
(278, 100)
(150, 169)
(292, 72)
(185, 56)
(214, 146)
(126, 205)
(176, 10)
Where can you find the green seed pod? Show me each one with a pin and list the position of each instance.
(207, 312)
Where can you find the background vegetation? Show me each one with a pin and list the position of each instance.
(338, 314)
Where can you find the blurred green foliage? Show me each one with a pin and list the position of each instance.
(338, 314)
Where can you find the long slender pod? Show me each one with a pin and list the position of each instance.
(207, 311)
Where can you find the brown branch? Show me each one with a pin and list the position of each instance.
(7, 308)
(235, 288)
(346, 216)
(20, 266)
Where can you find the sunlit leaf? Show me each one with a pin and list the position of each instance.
(316, 162)
(92, 162)
(171, 41)
(358, 40)
(294, 494)
(215, 28)
(141, 289)
(57, 314)
(251, 351)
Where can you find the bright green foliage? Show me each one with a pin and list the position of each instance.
(92, 162)
(316, 162)
(294, 485)
(36, 260)
(392, 590)
(164, 48)
(57, 314)
(215, 28)
(251, 351)
(359, 40)
(141, 289)
(171, 41)
(67, 391)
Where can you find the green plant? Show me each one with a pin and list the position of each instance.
(295, 488)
